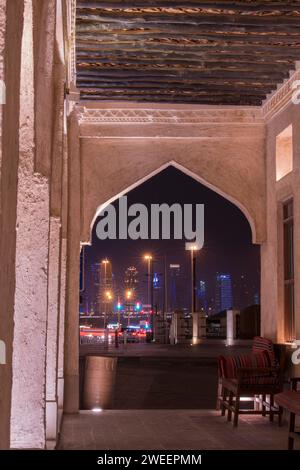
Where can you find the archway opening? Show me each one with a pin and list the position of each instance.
(138, 297)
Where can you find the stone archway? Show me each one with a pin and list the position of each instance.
(223, 149)
(193, 175)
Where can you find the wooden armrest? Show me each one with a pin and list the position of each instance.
(293, 382)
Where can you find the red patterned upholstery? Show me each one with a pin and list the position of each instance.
(252, 374)
(228, 366)
(261, 344)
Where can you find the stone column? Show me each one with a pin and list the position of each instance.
(296, 189)
(269, 249)
(61, 330)
(11, 27)
(52, 332)
(71, 395)
(63, 266)
(31, 286)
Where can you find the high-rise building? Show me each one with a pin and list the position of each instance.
(131, 287)
(106, 287)
(245, 292)
(131, 279)
(202, 298)
(175, 298)
(94, 274)
(223, 296)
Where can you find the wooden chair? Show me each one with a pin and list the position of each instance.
(252, 375)
(290, 401)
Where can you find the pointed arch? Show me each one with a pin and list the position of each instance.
(188, 172)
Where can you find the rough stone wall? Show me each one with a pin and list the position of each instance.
(9, 177)
(30, 308)
(31, 233)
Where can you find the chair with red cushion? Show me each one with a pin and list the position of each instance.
(250, 375)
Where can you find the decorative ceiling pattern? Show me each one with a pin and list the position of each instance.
(205, 52)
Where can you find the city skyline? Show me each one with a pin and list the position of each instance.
(230, 291)
(227, 241)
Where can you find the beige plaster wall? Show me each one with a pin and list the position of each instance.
(226, 156)
(272, 249)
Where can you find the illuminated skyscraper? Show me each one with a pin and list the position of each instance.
(131, 286)
(223, 297)
(106, 287)
(202, 300)
(95, 282)
(175, 297)
(131, 279)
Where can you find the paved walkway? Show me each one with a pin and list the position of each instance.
(164, 400)
(167, 430)
(207, 349)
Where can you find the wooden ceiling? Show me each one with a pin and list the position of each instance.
(205, 52)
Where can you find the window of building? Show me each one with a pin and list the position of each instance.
(284, 152)
(288, 254)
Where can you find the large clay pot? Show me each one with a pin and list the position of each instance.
(99, 382)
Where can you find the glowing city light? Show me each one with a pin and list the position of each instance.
(109, 295)
(128, 294)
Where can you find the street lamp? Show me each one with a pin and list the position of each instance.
(109, 295)
(128, 295)
(148, 257)
(193, 249)
(105, 262)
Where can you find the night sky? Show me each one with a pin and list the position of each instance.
(227, 246)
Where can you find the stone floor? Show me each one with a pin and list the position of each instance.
(164, 399)
(165, 383)
(207, 349)
(167, 430)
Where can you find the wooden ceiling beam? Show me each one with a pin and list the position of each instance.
(240, 82)
(181, 56)
(182, 73)
(88, 87)
(212, 51)
(179, 99)
(189, 64)
(153, 28)
(193, 19)
(207, 46)
(221, 37)
(253, 6)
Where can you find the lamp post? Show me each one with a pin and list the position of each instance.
(193, 249)
(149, 260)
(128, 296)
(109, 297)
(105, 263)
